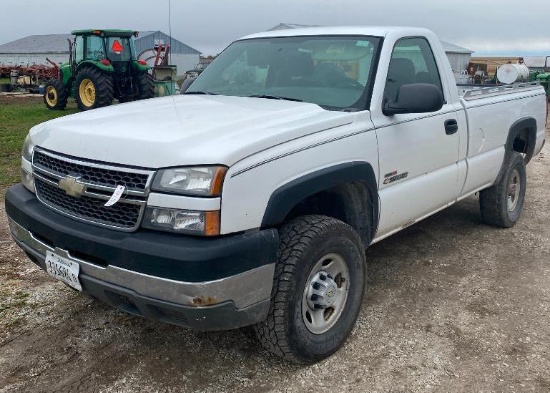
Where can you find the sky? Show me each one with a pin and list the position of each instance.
(488, 27)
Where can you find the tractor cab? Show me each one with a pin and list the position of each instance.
(101, 45)
(103, 66)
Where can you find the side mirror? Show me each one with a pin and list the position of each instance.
(415, 98)
(186, 84)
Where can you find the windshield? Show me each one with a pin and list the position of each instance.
(331, 71)
(118, 48)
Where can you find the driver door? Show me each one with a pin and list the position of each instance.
(418, 157)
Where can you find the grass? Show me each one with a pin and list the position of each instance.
(3, 81)
(17, 116)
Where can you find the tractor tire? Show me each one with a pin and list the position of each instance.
(317, 289)
(145, 86)
(94, 89)
(55, 95)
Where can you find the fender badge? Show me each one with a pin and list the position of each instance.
(391, 177)
(72, 186)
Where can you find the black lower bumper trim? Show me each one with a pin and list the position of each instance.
(165, 255)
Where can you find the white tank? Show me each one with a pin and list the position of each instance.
(510, 73)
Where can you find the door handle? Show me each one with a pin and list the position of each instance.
(451, 126)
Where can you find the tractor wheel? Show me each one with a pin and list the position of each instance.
(146, 88)
(94, 89)
(55, 95)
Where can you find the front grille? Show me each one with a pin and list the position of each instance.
(121, 215)
(91, 174)
(99, 183)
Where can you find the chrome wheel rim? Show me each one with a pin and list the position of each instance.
(325, 293)
(514, 188)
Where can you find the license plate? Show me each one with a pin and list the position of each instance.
(63, 269)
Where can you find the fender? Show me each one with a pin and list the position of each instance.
(96, 64)
(65, 74)
(286, 197)
(525, 123)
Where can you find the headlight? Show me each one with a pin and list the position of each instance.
(182, 221)
(28, 149)
(202, 181)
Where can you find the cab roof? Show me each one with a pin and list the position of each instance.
(106, 32)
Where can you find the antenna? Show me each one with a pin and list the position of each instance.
(170, 30)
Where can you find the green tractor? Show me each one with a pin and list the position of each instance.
(102, 67)
(544, 77)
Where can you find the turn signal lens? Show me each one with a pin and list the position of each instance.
(142, 62)
(28, 180)
(105, 62)
(183, 221)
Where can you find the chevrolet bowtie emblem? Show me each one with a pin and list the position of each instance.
(72, 186)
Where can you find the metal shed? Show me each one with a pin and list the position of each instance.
(458, 56)
(181, 55)
(34, 49)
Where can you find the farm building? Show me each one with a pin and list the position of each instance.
(35, 49)
(537, 63)
(181, 55)
(458, 57)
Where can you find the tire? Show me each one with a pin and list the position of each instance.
(317, 290)
(55, 95)
(94, 89)
(501, 204)
(145, 86)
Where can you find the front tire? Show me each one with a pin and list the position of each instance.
(502, 203)
(94, 89)
(317, 290)
(55, 95)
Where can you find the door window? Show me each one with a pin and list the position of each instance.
(94, 48)
(79, 49)
(412, 61)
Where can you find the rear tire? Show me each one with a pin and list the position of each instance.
(501, 204)
(317, 290)
(146, 88)
(94, 89)
(55, 95)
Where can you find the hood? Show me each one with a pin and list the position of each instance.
(184, 130)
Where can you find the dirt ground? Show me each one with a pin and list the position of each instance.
(452, 305)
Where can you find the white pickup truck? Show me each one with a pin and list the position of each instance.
(250, 199)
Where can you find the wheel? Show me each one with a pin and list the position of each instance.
(145, 86)
(94, 89)
(501, 204)
(317, 290)
(55, 95)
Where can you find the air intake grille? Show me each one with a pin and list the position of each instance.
(121, 215)
(98, 183)
(91, 174)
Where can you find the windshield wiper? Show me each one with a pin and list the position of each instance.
(201, 92)
(272, 97)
